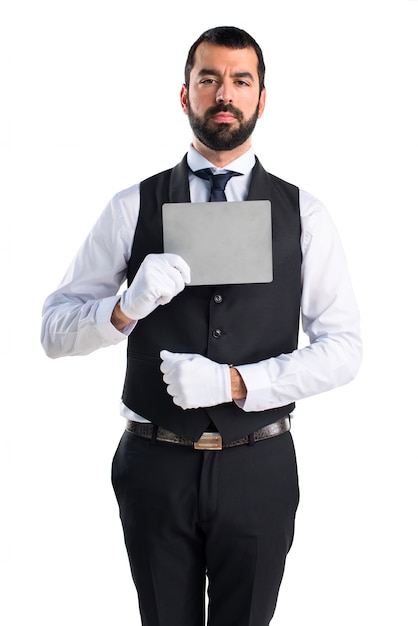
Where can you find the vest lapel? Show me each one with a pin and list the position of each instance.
(179, 183)
(260, 186)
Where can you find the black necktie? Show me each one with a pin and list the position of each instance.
(217, 183)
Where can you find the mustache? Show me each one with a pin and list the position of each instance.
(224, 108)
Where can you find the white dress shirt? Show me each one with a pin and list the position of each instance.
(76, 317)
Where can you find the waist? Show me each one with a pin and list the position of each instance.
(208, 440)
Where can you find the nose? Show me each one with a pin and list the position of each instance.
(224, 93)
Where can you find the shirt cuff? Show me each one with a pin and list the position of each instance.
(258, 384)
(105, 327)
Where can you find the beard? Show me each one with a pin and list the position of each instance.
(221, 136)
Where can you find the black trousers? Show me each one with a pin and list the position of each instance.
(226, 516)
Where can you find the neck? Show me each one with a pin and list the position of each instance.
(221, 158)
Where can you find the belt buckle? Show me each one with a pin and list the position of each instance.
(209, 441)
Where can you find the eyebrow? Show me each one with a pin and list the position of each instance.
(212, 72)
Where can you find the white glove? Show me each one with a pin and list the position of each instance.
(159, 278)
(195, 381)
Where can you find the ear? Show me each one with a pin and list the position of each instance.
(184, 99)
(262, 103)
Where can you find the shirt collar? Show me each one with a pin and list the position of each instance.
(242, 164)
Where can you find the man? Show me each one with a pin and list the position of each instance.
(205, 473)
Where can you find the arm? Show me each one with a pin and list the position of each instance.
(330, 318)
(86, 312)
(76, 317)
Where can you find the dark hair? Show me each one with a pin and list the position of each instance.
(229, 37)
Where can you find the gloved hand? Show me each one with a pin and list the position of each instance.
(159, 278)
(195, 381)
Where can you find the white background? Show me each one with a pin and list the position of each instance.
(90, 106)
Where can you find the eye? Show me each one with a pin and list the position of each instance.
(207, 81)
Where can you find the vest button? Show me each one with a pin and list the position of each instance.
(216, 333)
(218, 298)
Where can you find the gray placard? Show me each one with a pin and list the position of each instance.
(223, 242)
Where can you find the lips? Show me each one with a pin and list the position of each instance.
(224, 118)
(223, 114)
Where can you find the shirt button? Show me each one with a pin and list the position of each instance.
(216, 333)
(218, 298)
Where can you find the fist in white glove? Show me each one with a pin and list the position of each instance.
(159, 278)
(195, 381)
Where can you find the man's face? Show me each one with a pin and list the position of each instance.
(223, 101)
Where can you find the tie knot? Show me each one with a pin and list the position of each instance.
(217, 181)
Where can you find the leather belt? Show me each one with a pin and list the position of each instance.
(208, 441)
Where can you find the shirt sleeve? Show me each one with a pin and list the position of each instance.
(76, 316)
(330, 318)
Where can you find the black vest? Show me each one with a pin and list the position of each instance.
(234, 324)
